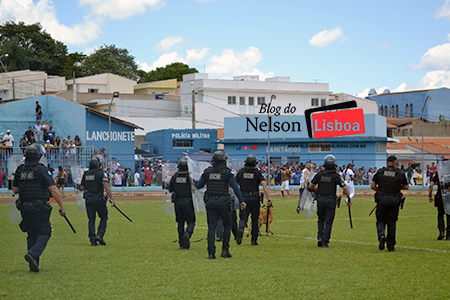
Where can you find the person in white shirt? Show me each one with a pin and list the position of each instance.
(303, 183)
(349, 177)
(38, 129)
(9, 141)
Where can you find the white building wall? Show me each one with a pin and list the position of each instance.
(103, 83)
(217, 91)
(369, 106)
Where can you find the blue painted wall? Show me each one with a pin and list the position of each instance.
(360, 149)
(68, 118)
(440, 100)
(162, 141)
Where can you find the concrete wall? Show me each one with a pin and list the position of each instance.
(438, 129)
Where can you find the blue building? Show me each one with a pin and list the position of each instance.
(292, 145)
(171, 143)
(409, 104)
(68, 118)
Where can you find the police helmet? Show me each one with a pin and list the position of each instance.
(329, 162)
(182, 164)
(95, 162)
(33, 152)
(251, 160)
(219, 155)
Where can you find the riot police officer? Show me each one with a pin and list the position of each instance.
(324, 183)
(94, 183)
(444, 232)
(180, 185)
(218, 201)
(249, 179)
(33, 182)
(388, 182)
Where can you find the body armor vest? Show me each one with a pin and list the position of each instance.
(389, 180)
(216, 181)
(182, 186)
(327, 183)
(92, 182)
(31, 186)
(248, 179)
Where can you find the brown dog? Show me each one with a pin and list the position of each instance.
(263, 220)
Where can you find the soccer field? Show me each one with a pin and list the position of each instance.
(141, 261)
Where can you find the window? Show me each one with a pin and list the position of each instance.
(231, 99)
(241, 100)
(261, 100)
(314, 102)
(407, 111)
(251, 100)
(381, 111)
(381, 147)
(92, 90)
(292, 160)
(323, 102)
(396, 111)
(183, 143)
(324, 147)
(392, 111)
(386, 111)
(411, 115)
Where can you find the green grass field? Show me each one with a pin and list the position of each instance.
(140, 260)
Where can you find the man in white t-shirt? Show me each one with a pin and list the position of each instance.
(9, 139)
(349, 177)
(37, 128)
(303, 182)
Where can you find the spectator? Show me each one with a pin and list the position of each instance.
(29, 133)
(38, 111)
(51, 134)
(409, 172)
(136, 178)
(69, 177)
(48, 149)
(45, 126)
(61, 177)
(359, 176)
(2, 178)
(23, 142)
(433, 170)
(77, 143)
(64, 149)
(72, 151)
(277, 176)
(57, 146)
(118, 178)
(37, 128)
(8, 139)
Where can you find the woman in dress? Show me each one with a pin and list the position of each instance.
(61, 180)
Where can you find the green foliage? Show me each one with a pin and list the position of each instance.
(38, 50)
(110, 59)
(140, 261)
(174, 70)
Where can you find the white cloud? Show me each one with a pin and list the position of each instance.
(436, 58)
(401, 88)
(119, 9)
(231, 62)
(169, 43)
(444, 11)
(167, 59)
(326, 37)
(385, 45)
(143, 66)
(433, 80)
(196, 54)
(43, 11)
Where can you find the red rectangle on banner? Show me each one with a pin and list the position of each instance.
(338, 123)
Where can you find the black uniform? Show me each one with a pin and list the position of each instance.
(95, 202)
(33, 181)
(184, 207)
(218, 203)
(389, 181)
(249, 179)
(440, 207)
(327, 180)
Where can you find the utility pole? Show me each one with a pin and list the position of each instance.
(14, 89)
(74, 88)
(193, 106)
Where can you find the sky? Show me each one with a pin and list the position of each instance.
(352, 45)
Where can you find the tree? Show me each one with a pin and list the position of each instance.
(72, 63)
(17, 57)
(174, 70)
(109, 59)
(41, 51)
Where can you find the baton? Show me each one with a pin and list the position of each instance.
(68, 222)
(350, 214)
(121, 212)
(373, 209)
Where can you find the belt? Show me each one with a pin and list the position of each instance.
(28, 203)
(250, 193)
